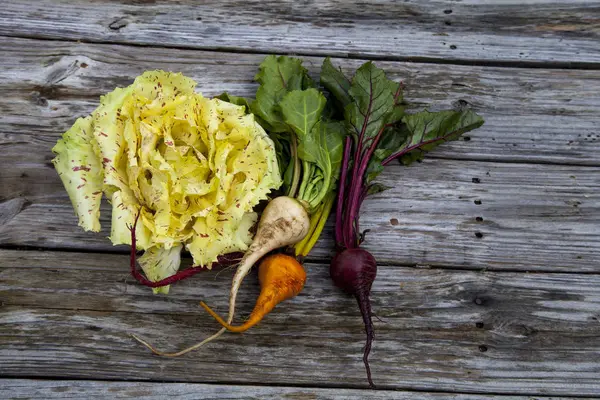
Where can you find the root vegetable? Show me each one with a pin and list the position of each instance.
(353, 271)
(281, 277)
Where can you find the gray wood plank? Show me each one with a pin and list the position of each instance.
(563, 32)
(533, 217)
(532, 115)
(68, 315)
(70, 389)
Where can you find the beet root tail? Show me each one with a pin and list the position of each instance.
(364, 303)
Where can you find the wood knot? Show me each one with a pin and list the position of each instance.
(481, 300)
(38, 99)
(118, 24)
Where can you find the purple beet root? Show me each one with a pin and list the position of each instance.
(353, 271)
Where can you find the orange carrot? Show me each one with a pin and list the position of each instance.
(281, 277)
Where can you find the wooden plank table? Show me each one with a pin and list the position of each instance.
(488, 288)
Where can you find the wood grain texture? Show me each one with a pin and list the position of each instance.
(532, 217)
(564, 32)
(521, 195)
(532, 115)
(68, 315)
(70, 389)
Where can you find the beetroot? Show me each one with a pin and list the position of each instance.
(379, 131)
(353, 271)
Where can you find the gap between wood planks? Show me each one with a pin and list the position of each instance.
(377, 392)
(309, 260)
(575, 65)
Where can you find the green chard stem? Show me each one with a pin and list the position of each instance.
(323, 216)
(315, 198)
(297, 171)
(307, 170)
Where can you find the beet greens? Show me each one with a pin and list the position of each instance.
(379, 131)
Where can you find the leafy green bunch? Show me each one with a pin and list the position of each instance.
(311, 126)
(379, 131)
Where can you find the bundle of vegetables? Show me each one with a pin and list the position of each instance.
(190, 168)
(354, 126)
(184, 171)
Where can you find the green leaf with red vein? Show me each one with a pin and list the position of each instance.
(372, 101)
(423, 131)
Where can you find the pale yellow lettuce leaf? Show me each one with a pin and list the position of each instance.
(80, 170)
(159, 263)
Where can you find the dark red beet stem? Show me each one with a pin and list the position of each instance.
(340, 236)
(357, 190)
(364, 303)
(227, 259)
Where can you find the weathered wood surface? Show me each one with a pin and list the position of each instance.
(545, 213)
(532, 115)
(68, 315)
(521, 195)
(533, 217)
(47, 390)
(563, 32)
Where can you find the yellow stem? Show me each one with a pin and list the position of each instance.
(314, 221)
(314, 236)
